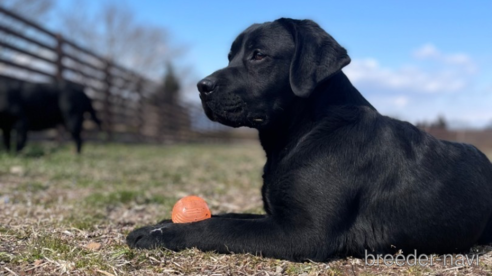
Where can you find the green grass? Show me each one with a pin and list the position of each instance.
(55, 204)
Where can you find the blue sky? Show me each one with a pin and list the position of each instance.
(413, 60)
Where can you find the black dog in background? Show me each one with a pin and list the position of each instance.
(26, 106)
(340, 178)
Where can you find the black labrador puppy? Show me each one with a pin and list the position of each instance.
(340, 178)
(26, 106)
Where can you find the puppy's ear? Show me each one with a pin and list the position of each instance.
(317, 55)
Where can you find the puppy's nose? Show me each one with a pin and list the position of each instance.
(206, 86)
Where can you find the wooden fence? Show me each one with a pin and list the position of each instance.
(122, 98)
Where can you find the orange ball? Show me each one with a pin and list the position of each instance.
(190, 209)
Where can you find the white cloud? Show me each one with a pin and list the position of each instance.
(393, 106)
(401, 101)
(430, 52)
(368, 72)
(426, 51)
(431, 83)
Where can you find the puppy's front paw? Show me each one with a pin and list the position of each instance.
(151, 237)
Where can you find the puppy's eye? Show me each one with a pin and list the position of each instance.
(257, 55)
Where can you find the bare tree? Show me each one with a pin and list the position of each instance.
(114, 33)
(35, 10)
(440, 123)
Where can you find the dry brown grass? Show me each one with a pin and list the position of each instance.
(63, 214)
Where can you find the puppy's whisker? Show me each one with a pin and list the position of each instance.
(278, 106)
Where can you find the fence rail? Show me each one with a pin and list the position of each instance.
(122, 98)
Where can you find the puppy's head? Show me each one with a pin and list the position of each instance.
(270, 65)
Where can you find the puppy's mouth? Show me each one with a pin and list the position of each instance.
(232, 111)
(225, 113)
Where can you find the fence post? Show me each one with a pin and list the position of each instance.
(107, 102)
(162, 122)
(140, 110)
(59, 77)
(59, 57)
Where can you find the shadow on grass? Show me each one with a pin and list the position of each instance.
(36, 150)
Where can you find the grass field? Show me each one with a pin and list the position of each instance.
(65, 214)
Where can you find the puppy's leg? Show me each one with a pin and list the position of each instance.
(226, 215)
(74, 125)
(486, 237)
(6, 138)
(78, 141)
(239, 216)
(264, 236)
(21, 134)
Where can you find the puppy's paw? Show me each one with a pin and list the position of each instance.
(157, 236)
